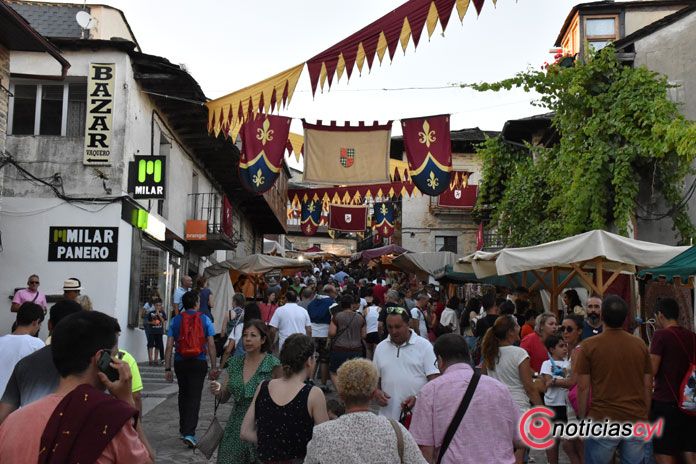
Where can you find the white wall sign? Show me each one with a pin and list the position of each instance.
(99, 120)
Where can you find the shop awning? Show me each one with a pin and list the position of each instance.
(682, 266)
(367, 255)
(426, 263)
(256, 264)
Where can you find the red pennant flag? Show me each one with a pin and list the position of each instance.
(429, 152)
(348, 218)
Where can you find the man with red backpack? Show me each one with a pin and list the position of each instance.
(192, 332)
(673, 351)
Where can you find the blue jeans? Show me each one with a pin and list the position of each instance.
(601, 450)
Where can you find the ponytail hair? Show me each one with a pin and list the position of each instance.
(490, 346)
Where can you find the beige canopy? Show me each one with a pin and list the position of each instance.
(424, 264)
(256, 264)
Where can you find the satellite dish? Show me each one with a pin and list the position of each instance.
(84, 20)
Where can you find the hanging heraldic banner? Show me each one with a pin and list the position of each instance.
(146, 177)
(99, 120)
(346, 155)
(67, 243)
(348, 218)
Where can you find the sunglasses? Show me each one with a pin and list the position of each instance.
(31, 282)
(566, 328)
(396, 310)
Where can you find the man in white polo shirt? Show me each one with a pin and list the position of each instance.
(405, 362)
(289, 319)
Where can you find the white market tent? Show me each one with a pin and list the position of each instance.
(424, 264)
(271, 247)
(220, 281)
(479, 263)
(586, 256)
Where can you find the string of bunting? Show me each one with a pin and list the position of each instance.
(398, 27)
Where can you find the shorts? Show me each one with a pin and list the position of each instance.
(679, 429)
(561, 413)
(320, 347)
(337, 358)
(372, 337)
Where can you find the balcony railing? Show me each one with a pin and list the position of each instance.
(211, 207)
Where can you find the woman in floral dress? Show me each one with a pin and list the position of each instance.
(245, 373)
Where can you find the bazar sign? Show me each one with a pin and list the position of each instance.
(99, 120)
(146, 177)
(82, 243)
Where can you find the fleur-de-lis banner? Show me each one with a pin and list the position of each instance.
(348, 218)
(311, 217)
(429, 152)
(263, 145)
(384, 219)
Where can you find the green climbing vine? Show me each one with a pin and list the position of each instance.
(619, 136)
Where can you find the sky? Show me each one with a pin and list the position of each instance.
(227, 45)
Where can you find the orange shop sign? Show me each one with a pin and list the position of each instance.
(196, 229)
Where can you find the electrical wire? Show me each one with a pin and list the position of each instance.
(8, 159)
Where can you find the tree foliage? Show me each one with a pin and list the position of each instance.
(617, 128)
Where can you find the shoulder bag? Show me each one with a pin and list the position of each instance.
(399, 439)
(212, 437)
(459, 415)
(330, 340)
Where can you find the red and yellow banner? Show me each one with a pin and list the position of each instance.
(429, 152)
(264, 138)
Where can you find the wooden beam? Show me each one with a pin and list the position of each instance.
(599, 274)
(611, 280)
(586, 278)
(540, 280)
(554, 290)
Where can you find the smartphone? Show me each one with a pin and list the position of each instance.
(104, 365)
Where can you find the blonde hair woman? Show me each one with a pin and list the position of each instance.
(345, 439)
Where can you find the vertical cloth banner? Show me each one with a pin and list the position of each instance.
(348, 218)
(383, 218)
(310, 217)
(346, 155)
(264, 138)
(429, 152)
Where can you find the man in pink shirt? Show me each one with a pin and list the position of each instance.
(488, 430)
(79, 422)
(30, 294)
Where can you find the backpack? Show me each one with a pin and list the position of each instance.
(191, 335)
(319, 310)
(686, 396)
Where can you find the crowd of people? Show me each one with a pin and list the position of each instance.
(420, 376)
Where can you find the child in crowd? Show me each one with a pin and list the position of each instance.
(554, 370)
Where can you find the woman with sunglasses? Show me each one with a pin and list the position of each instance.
(571, 330)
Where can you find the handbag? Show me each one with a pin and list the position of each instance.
(212, 437)
(330, 340)
(459, 415)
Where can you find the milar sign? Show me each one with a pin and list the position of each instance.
(99, 120)
(82, 243)
(146, 177)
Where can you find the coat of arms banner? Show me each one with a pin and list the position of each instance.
(264, 139)
(348, 218)
(310, 216)
(429, 152)
(383, 218)
(346, 155)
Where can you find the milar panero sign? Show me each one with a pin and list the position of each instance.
(66, 243)
(146, 177)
